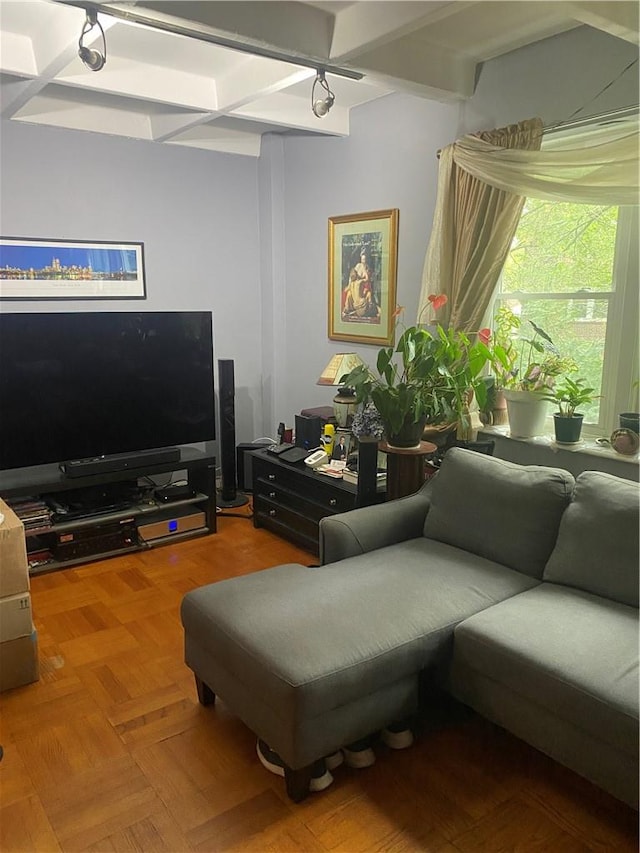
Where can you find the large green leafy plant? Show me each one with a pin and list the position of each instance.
(569, 395)
(525, 363)
(430, 375)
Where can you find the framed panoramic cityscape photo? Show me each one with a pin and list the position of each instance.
(363, 250)
(32, 268)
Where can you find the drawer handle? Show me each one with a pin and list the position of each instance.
(332, 502)
(272, 512)
(272, 494)
(271, 476)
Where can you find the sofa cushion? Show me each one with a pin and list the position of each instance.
(597, 547)
(565, 650)
(499, 510)
(310, 640)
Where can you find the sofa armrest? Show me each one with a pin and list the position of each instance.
(368, 528)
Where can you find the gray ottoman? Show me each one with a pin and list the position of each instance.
(303, 658)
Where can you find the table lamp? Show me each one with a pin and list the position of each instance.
(344, 403)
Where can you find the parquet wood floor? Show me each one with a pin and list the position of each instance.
(110, 750)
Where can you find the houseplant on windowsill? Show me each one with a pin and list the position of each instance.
(569, 395)
(428, 378)
(526, 369)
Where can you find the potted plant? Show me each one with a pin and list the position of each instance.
(429, 377)
(631, 420)
(569, 395)
(504, 353)
(526, 369)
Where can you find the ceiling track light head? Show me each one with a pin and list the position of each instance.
(321, 106)
(94, 59)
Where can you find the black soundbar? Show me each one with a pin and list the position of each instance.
(118, 462)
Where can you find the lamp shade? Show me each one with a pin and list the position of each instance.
(341, 363)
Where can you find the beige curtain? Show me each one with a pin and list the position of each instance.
(473, 227)
(598, 168)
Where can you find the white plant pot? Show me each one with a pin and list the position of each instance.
(527, 413)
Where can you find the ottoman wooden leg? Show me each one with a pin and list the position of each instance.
(297, 782)
(206, 696)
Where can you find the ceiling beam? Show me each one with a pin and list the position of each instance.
(425, 69)
(233, 41)
(361, 27)
(619, 19)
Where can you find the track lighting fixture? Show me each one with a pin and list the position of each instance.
(93, 59)
(321, 106)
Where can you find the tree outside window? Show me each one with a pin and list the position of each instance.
(565, 273)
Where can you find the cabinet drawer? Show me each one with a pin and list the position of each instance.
(269, 511)
(309, 543)
(314, 504)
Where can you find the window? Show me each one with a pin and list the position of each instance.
(573, 270)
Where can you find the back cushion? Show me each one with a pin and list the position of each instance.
(506, 512)
(597, 548)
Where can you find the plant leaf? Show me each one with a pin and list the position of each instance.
(541, 332)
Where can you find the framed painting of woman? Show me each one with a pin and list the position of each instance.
(363, 252)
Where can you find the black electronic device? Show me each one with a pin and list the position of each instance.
(118, 462)
(279, 449)
(93, 501)
(86, 385)
(95, 539)
(168, 494)
(308, 432)
(228, 495)
(294, 454)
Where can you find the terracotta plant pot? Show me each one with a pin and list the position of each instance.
(499, 411)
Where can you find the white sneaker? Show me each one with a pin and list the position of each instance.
(320, 776)
(396, 737)
(334, 760)
(359, 754)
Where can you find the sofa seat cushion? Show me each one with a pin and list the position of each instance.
(572, 653)
(499, 510)
(312, 639)
(597, 547)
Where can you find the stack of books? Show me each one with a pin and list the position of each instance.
(34, 514)
(335, 469)
(350, 476)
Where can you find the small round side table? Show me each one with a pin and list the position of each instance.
(405, 468)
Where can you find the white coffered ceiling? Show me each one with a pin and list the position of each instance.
(196, 88)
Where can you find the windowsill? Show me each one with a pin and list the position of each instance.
(547, 442)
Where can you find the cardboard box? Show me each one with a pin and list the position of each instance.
(15, 616)
(19, 662)
(14, 569)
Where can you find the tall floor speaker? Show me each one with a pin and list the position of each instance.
(228, 495)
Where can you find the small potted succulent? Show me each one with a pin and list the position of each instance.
(568, 396)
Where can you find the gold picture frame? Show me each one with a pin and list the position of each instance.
(363, 257)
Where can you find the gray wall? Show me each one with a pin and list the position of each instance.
(554, 79)
(253, 234)
(389, 160)
(195, 212)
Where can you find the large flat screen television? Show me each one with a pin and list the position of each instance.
(88, 384)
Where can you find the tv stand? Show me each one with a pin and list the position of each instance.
(99, 526)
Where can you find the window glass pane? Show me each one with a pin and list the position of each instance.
(560, 248)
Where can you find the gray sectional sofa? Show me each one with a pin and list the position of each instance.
(517, 586)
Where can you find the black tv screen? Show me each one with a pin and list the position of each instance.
(79, 385)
